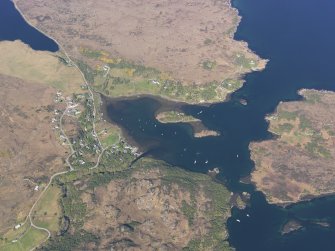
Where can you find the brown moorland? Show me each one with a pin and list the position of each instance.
(299, 163)
(30, 151)
(152, 206)
(191, 40)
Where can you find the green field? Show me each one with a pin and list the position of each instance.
(30, 239)
(47, 211)
(128, 79)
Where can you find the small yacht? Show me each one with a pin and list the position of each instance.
(238, 220)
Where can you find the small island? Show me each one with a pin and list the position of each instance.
(175, 117)
(88, 202)
(322, 223)
(291, 226)
(199, 129)
(298, 164)
(240, 200)
(81, 199)
(206, 133)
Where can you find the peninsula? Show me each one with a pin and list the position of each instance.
(299, 163)
(67, 166)
(163, 48)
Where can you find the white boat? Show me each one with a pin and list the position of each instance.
(238, 220)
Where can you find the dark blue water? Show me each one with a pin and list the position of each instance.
(14, 27)
(298, 36)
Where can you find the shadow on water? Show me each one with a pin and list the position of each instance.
(298, 37)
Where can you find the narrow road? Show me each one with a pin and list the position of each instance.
(61, 123)
(70, 61)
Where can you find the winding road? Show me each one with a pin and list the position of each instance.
(71, 168)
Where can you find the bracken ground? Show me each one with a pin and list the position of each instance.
(190, 41)
(299, 163)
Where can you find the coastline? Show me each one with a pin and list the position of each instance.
(60, 48)
(137, 96)
(241, 77)
(256, 150)
(287, 203)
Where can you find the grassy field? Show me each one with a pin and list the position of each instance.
(111, 139)
(109, 134)
(46, 214)
(123, 78)
(31, 238)
(48, 211)
(19, 60)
